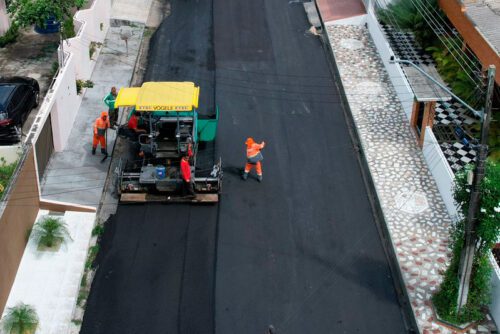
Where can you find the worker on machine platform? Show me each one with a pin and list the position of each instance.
(100, 126)
(133, 126)
(254, 158)
(187, 184)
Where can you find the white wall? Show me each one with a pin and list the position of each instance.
(61, 101)
(495, 290)
(4, 18)
(91, 30)
(10, 153)
(66, 104)
(396, 75)
(441, 171)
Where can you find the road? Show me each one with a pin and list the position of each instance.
(300, 250)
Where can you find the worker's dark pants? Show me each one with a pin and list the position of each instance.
(187, 188)
(113, 116)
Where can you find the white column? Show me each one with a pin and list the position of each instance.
(4, 19)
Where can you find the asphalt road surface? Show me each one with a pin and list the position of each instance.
(301, 250)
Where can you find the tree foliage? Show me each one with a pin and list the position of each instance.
(24, 13)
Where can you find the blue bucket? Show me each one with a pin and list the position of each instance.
(160, 172)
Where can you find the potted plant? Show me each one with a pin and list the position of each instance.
(47, 15)
(50, 233)
(20, 319)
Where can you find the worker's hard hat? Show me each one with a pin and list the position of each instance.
(249, 141)
(104, 114)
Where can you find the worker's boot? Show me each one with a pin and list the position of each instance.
(244, 176)
(103, 151)
(93, 150)
(259, 177)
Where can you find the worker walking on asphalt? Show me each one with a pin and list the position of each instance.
(254, 158)
(187, 184)
(100, 126)
(109, 100)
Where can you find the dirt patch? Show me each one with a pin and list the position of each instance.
(32, 55)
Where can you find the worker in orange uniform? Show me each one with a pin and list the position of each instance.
(100, 126)
(187, 181)
(254, 158)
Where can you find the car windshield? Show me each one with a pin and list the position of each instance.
(5, 91)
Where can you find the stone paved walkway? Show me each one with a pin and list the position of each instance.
(415, 214)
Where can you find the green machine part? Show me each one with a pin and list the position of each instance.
(207, 128)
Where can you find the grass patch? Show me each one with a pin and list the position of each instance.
(92, 255)
(6, 171)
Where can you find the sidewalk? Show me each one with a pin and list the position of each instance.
(75, 175)
(414, 212)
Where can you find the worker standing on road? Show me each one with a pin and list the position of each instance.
(187, 182)
(254, 158)
(109, 100)
(100, 126)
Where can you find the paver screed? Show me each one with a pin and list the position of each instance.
(413, 209)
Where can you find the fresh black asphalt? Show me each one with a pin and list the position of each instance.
(301, 250)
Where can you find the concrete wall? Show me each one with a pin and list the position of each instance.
(18, 217)
(354, 21)
(495, 290)
(66, 104)
(441, 171)
(396, 75)
(4, 18)
(10, 153)
(477, 42)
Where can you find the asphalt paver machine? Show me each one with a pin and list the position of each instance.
(168, 114)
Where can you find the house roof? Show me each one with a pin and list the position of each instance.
(485, 15)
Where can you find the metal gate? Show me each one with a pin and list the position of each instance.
(44, 147)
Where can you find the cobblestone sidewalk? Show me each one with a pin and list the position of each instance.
(415, 214)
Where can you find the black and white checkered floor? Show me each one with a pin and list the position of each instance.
(449, 114)
(458, 155)
(405, 47)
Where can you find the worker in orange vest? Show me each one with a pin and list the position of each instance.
(254, 158)
(100, 126)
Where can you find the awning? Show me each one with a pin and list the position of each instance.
(127, 97)
(160, 96)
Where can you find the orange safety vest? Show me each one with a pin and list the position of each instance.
(254, 149)
(100, 126)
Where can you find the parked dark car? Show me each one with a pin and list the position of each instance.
(18, 95)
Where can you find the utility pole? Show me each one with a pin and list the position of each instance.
(467, 256)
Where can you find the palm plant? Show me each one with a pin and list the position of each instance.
(20, 319)
(50, 232)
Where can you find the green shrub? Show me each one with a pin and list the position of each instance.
(91, 257)
(80, 84)
(487, 231)
(54, 68)
(6, 171)
(68, 28)
(20, 319)
(50, 232)
(10, 36)
(98, 230)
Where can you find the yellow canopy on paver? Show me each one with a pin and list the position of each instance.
(160, 96)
